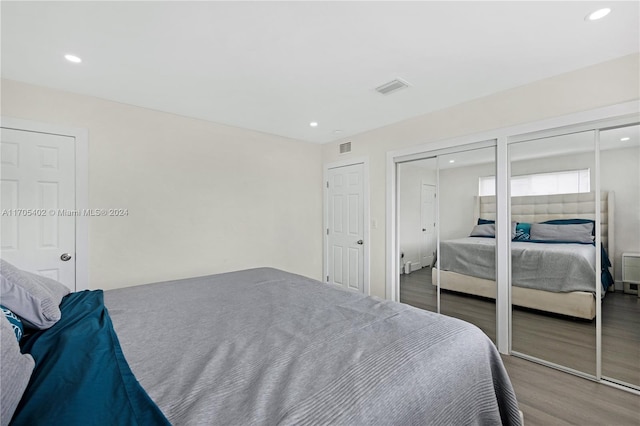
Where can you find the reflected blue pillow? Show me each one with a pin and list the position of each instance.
(15, 322)
(523, 232)
(485, 221)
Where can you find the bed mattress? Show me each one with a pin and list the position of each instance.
(542, 266)
(266, 347)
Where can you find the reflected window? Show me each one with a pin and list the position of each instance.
(562, 182)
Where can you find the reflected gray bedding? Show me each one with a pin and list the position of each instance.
(267, 347)
(549, 267)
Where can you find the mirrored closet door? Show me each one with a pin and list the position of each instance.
(620, 174)
(440, 227)
(416, 191)
(554, 249)
(466, 264)
(574, 264)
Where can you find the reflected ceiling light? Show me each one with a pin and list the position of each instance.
(598, 14)
(624, 139)
(73, 58)
(452, 161)
(313, 124)
(337, 131)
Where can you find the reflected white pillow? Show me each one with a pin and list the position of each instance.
(489, 230)
(577, 233)
(484, 230)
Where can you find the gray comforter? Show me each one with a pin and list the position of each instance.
(265, 347)
(549, 267)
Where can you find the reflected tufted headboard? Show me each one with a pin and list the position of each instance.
(539, 208)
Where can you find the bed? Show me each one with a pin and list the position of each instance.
(260, 347)
(552, 277)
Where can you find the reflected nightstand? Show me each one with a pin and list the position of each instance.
(631, 272)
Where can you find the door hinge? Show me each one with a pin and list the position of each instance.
(327, 184)
(327, 278)
(327, 231)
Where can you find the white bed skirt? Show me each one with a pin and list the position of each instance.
(580, 304)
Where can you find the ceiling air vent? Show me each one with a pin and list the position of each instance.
(345, 147)
(392, 86)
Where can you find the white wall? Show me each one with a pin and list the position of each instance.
(206, 198)
(604, 84)
(203, 198)
(458, 189)
(620, 172)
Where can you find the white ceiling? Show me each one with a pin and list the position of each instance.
(276, 66)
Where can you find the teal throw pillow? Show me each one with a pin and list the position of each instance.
(15, 322)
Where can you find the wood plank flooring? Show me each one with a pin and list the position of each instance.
(548, 396)
(551, 397)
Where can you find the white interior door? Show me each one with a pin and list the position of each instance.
(37, 203)
(428, 214)
(345, 231)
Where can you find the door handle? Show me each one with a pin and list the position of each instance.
(424, 229)
(360, 242)
(65, 257)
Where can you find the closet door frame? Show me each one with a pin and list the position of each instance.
(625, 118)
(612, 116)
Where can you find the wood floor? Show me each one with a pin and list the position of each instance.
(548, 396)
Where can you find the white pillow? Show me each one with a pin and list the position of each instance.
(35, 299)
(15, 371)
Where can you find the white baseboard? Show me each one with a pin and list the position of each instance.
(414, 266)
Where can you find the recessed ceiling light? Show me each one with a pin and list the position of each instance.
(452, 161)
(73, 58)
(313, 124)
(598, 14)
(624, 139)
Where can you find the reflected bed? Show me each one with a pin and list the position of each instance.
(556, 278)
